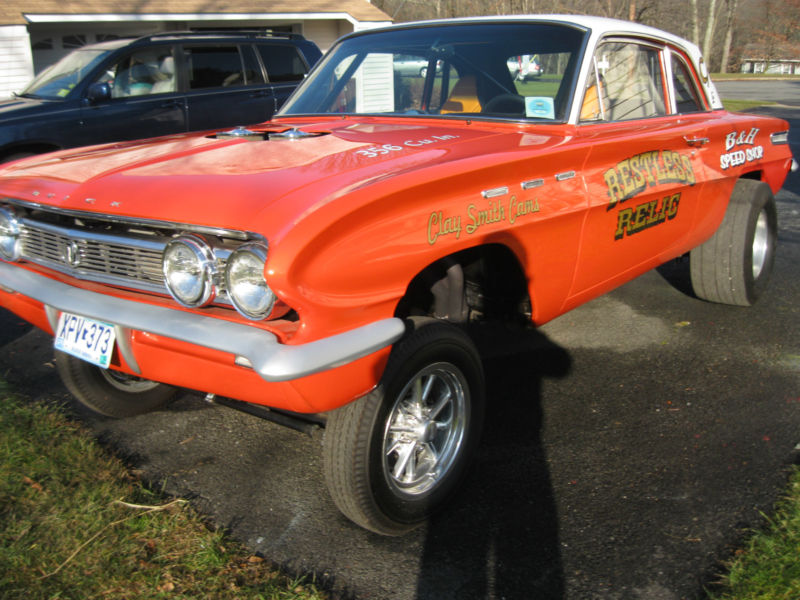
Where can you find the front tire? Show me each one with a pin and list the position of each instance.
(396, 455)
(733, 267)
(110, 393)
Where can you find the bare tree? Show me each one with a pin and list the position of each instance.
(730, 14)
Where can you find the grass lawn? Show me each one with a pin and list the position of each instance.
(768, 567)
(740, 105)
(75, 524)
(755, 76)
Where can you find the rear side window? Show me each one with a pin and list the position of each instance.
(687, 98)
(219, 66)
(283, 63)
(626, 82)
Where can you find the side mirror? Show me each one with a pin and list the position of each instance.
(98, 92)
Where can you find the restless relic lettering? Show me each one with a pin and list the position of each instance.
(633, 175)
(648, 214)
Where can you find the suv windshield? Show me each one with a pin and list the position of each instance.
(503, 70)
(58, 80)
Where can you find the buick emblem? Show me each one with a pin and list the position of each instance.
(72, 254)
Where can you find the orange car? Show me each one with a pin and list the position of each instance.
(324, 263)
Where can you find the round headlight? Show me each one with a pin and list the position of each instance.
(190, 271)
(244, 277)
(9, 235)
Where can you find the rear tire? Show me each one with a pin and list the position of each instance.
(733, 267)
(395, 456)
(110, 393)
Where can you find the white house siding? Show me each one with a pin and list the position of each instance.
(16, 62)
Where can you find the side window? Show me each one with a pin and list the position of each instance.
(538, 78)
(147, 71)
(214, 66)
(283, 63)
(625, 83)
(687, 98)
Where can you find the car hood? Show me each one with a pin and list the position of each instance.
(256, 182)
(14, 108)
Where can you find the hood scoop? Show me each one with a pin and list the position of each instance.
(286, 134)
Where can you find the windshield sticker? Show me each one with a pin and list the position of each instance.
(735, 156)
(540, 107)
(441, 224)
(635, 174)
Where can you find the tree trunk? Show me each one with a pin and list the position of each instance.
(710, 26)
(726, 46)
(695, 23)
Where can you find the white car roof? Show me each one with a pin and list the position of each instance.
(599, 27)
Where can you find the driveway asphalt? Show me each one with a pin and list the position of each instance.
(630, 446)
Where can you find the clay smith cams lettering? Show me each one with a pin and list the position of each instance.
(441, 224)
(633, 175)
(646, 215)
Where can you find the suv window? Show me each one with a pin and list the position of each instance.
(217, 66)
(626, 82)
(283, 63)
(147, 71)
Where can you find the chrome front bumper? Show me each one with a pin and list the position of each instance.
(251, 346)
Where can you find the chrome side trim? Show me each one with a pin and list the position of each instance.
(779, 137)
(272, 360)
(495, 192)
(532, 183)
(566, 175)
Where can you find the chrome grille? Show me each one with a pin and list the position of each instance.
(130, 261)
(112, 249)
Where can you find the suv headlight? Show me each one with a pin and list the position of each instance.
(190, 271)
(9, 235)
(244, 278)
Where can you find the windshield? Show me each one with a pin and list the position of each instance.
(496, 70)
(57, 80)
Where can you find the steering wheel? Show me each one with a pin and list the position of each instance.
(505, 104)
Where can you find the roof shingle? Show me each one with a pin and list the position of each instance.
(12, 11)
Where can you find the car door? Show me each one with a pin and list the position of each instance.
(144, 98)
(226, 86)
(645, 168)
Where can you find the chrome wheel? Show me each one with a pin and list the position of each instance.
(395, 456)
(425, 429)
(110, 393)
(128, 383)
(761, 241)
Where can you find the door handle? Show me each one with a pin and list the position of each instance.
(696, 142)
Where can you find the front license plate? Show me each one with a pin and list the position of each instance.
(91, 340)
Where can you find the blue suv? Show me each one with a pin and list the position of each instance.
(160, 84)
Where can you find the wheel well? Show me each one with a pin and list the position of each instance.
(482, 283)
(757, 175)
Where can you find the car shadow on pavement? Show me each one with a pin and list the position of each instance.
(499, 539)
